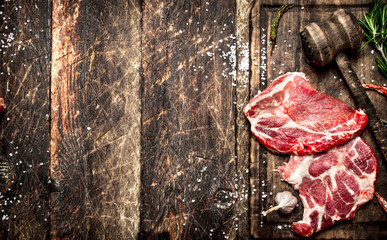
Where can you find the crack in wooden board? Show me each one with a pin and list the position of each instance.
(95, 112)
(25, 80)
(288, 56)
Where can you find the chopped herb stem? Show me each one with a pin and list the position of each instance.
(275, 21)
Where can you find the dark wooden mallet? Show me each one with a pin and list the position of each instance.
(329, 40)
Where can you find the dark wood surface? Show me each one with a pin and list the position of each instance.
(188, 120)
(25, 127)
(95, 119)
(72, 127)
(125, 118)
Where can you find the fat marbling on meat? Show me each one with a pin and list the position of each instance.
(290, 116)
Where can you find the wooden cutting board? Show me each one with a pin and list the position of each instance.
(288, 57)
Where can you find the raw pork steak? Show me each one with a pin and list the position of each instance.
(290, 116)
(332, 185)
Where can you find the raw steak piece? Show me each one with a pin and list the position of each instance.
(290, 116)
(332, 185)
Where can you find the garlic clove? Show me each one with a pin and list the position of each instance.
(285, 201)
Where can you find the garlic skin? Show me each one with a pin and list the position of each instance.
(285, 201)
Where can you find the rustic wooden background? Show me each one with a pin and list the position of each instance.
(125, 118)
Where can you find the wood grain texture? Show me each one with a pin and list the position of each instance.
(111, 93)
(288, 56)
(25, 79)
(190, 182)
(95, 112)
(242, 28)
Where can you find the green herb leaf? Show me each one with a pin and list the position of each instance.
(375, 32)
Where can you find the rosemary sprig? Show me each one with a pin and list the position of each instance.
(375, 31)
(275, 21)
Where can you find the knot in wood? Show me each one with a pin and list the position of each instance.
(323, 41)
(223, 199)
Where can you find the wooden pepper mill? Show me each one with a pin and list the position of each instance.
(327, 41)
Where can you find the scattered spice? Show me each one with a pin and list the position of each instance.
(382, 201)
(285, 201)
(380, 89)
(275, 21)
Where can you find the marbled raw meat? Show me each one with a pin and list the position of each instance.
(332, 185)
(290, 116)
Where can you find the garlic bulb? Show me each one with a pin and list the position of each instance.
(285, 201)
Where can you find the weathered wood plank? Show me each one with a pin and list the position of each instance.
(25, 79)
(95, 116)
(242, 26)
(288, 56)
(69, 202)
(115, 157)
(190, 181)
